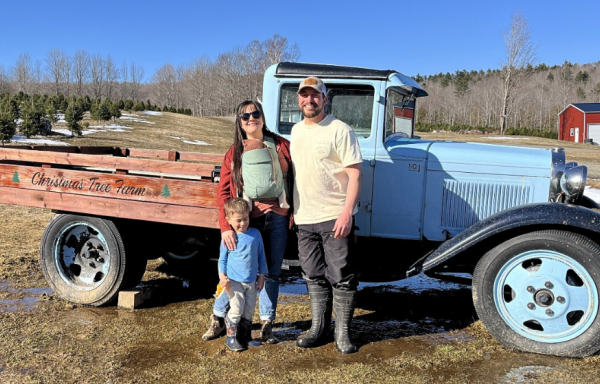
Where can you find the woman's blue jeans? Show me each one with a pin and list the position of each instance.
(274, 231)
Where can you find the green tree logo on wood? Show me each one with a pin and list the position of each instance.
(165, 191)
(15, 178)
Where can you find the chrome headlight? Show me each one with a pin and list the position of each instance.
(572, 182)
(568, 179)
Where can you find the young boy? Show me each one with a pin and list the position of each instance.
(237, 274)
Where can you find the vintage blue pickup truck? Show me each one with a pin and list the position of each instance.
(514, 219)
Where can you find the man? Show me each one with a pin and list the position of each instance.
(326, 162)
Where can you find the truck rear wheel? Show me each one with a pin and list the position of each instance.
(538, 292)
(85, 261)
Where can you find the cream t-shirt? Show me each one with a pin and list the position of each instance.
(319, 154)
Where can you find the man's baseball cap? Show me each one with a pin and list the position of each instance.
(314, 83)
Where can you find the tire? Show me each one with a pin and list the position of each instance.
(538, 293)
(84, 259)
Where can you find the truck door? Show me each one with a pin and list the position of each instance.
(399, 172)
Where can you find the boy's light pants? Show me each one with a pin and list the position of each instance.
(242, 299)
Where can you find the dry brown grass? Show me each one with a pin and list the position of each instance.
(160, 133)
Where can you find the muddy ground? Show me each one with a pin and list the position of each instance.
(416, 330)
(411, 331)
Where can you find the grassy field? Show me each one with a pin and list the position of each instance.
(404, 336)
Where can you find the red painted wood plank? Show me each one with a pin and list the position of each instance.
(108, 207)
(193, 193)
(111, 162)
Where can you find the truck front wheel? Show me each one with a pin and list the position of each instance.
(84, 259)
(538, 292)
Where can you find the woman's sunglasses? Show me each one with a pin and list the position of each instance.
(246, 116)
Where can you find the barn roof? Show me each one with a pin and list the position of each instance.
(583, 107)
(587, 107)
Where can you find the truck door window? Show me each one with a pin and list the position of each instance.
(353, 104)
(399, 114)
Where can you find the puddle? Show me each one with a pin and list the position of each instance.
(25, 299)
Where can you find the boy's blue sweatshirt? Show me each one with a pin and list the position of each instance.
(246, 260)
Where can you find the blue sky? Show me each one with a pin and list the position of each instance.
(424, 37)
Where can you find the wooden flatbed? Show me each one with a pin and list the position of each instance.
(151, 185)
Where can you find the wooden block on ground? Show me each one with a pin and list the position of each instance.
(132, 299)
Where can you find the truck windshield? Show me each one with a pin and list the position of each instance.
(353, 104)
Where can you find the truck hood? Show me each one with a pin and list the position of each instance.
(488, 158)
(453, 156)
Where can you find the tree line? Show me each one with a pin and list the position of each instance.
(522, 97)
(35, 114)
(205, 87)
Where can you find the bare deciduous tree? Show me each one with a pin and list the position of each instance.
(57, 69)
(520, 56)
(22, 72)
(97, 75)
(81, 70)
(111, 76)
(4, 80)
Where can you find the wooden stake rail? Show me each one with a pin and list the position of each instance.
(99, 181)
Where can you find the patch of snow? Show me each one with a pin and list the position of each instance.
(418, 283)
(60, 118)
(592, 193)
(196, 142)
(185, 140)
(153, 113)
(22, 139)
(137, 120)
(110, 127)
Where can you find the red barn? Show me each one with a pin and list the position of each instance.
(579, 122)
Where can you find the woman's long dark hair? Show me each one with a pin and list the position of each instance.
(238, 140)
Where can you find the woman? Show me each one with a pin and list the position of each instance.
(271, 217)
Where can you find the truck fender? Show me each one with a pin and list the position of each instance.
(554, 214)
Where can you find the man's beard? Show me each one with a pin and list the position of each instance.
(314, 113)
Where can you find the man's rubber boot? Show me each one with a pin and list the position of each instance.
(320, 306)
(215, 329)
(343, 307)
(232, 332)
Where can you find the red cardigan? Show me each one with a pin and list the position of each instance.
(227, 189)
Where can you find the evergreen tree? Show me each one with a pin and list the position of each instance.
(73, 117)
(8, 127)
(119, 104)
(128, 105)
(138, 107)
(34, 119)
(115, 112)
(94, 111)
(104, 111)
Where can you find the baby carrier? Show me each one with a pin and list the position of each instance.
(261, 171)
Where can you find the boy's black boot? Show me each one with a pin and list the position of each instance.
(244, 335)
(320, 307)
(343, 307)
(232, 332)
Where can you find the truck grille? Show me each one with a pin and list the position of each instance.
(465, 203)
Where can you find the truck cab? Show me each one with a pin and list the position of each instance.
(413, 189)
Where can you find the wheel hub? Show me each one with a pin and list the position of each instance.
(544, 298)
